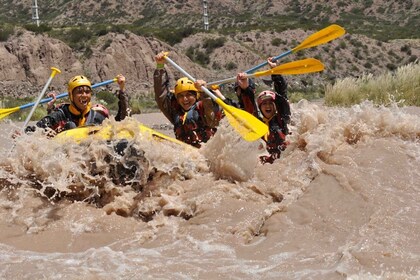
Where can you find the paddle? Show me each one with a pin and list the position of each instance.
(249, 127)
(321, 37)
(53, 73)
(308, 65)
(7, 111)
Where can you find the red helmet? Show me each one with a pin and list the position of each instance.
(101, 108)
(265, 95)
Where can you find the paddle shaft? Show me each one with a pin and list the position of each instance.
(208, 92)
(253, 69)
(228, 80)
(64, 94)
(274, 59)
(53, 73)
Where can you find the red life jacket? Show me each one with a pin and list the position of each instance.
(190, 128)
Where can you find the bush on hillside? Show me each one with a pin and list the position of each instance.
(42, 28)
(212, 44)
(401, 86)
(5, 32)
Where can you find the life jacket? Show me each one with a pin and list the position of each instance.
(190, 128)
(66, 120)
(246, 98)
(276, 137)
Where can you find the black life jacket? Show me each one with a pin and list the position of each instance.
(62, 119)
(276, 138)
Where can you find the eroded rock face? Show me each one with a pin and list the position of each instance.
(27, 59)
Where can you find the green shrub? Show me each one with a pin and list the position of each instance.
(368, 65)
(135, 106)
(42, 28)
(391, 66)
(108, 99)
(78, 35)
(216, 66)
(190, 52)
(276, 42)
(88, 52)
(174, 36)
(5, 32)
(231, 65)
(145, 104)
(202, 58)
(406, 49)
(38, 114)
(106, 44)
(211, 44)
(412, 58)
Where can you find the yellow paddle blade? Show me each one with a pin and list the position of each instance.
(308, 65)
(247, 125)
(159, 135)
(5, 112)
(321, 37)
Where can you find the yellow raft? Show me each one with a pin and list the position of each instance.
(109, 132)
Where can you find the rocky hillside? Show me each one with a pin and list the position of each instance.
(222, 13)
(27, 59)
(243, 34)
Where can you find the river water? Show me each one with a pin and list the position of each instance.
(342, 203)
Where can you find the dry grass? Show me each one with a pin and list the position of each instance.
(401, 86)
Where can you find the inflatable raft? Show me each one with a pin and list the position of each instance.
(109, 132)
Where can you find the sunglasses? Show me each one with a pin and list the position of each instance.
(82, 89)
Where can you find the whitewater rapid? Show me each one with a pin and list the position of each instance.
(341, 203)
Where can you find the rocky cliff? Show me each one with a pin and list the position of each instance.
(27, 57)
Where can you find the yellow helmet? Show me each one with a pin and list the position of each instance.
(185, 84)
(78, 81)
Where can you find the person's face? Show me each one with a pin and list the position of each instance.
(82, 96)
(267, 108)
(186, 99)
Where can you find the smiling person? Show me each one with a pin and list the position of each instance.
(194, 117)
(80, 111)
(275, 110)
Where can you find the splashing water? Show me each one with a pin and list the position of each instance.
(342, 202)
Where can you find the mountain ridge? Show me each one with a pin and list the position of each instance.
(220, 53)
